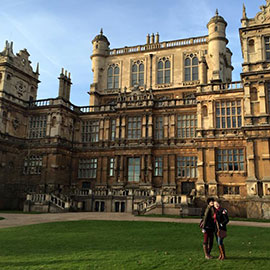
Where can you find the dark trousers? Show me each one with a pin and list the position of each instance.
(208, 239)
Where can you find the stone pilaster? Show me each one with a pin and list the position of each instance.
(200, 185)
(172, 169)
(142, 178)
(251, 182)
(165, 170)
(211, 172)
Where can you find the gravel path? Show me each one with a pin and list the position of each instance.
(15, 220)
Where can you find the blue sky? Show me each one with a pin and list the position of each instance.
(58, 33)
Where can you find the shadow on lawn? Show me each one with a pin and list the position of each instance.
(248, 258)
(43, 263)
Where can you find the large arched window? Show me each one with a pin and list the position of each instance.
(113, 77)
(191, 68)
(164, 71)
(138, 74)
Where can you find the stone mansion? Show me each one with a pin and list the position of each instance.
(165, 127)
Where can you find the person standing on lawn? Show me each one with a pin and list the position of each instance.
(221, 219)
(208, 228)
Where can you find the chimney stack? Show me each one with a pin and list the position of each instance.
(64, 85)
(152, 38)
(147, 39)
(157, 37)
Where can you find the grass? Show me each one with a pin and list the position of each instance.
(125, 245)
(197, 217)
(1, 218)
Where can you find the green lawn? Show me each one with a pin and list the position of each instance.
(196, 217)
(126, 245)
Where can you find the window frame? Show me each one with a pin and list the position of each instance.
(111, 166)
(267, 50)
(164, 72)
(231, 190)
(113, 129)
(33, 165)
(90, 131)
(113, 77)
(226, 163)
(134, 127)
(136, 166)
(137, 77)
(37, 126)
(87, 168)
(223, 120)
(159, 127)
(158, 166)
(185, 168)
(184, 126)
(191, 70)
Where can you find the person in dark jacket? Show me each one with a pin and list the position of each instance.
(208, 228)
(221, 219)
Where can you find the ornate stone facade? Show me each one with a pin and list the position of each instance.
(165, 126)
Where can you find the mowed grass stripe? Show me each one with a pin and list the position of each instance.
(127, 245)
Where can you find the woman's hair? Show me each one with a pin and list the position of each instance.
(210, 200)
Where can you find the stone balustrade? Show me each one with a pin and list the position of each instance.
(161, 45)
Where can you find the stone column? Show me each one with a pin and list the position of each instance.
(251, 182)
(202, 70)
(262, 99)
(211, 114)
(200, 185)
(104, 170)
(107, 129)
(150, 126)
(211, 172)
(117, 168)
(260, 48)
(123, 128)
(118, 126)
(144, 120)
(245, 50)
(142, 178)
(99, 171)
(165, 170)
(49, 123)
(122, 169)
(149, 169)
(166, 130)
(58, 124)
(172, 169)
(172, 128)
(247, 105)
(101, 130)
(265, 159)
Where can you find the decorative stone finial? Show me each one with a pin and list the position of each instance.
(244, 12)
(37, 69)
(216, 12)
(101, 31)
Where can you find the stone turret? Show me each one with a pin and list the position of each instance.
(217, 50)
(100, 51)
(98, 57)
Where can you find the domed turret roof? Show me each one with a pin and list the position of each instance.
(101, 37)
(217, 19)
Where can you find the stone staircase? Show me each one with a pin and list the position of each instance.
(46, 203)
(140, 208)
